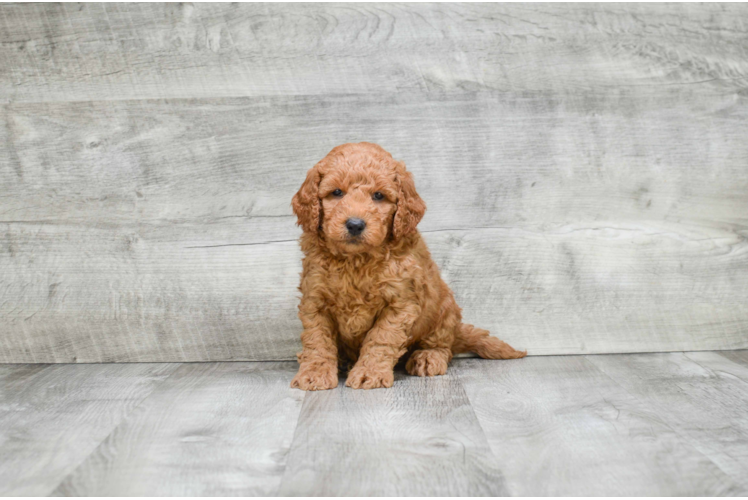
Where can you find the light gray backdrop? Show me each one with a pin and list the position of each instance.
(585, 168)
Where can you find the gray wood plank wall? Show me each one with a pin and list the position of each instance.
(584, 166)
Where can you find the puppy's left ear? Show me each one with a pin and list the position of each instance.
(306, 204)
(410, 206)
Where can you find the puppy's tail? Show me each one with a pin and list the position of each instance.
(478, 340)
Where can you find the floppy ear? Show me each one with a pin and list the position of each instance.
(306, 204)
(410, 206)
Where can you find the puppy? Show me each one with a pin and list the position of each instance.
(370, 291)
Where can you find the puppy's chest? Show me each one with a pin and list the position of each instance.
(355, 301)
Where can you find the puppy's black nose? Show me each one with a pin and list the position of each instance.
(355, 226)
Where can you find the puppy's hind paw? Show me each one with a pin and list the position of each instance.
(427, 363)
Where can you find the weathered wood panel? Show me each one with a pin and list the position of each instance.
(155, 298)
(159, 300)
(133, 51)
(219, 429)
(702, 395)
(154, 231)
(584, 167)
(561, 427)
(483, 159)
(418, 438)
(53, 417)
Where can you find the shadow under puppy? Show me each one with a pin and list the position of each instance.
(370, 290)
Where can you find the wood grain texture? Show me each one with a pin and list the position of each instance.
(560, 427)
(218, 429)
(481, 159)
(702, 395)
(144, 51)
(53, 417)
(418, 438)
(584, 168)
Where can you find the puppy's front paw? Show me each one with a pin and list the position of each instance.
(316, 377)
(367, 378)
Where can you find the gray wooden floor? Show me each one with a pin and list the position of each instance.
(620, 424)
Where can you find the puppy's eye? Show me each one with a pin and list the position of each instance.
(337, 193)
(378, 196)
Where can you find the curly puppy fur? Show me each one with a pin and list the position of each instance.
(369, 297)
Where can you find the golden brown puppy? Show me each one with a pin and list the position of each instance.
(370, 291)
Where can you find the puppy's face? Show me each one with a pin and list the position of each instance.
(358, 205)
(360, 198)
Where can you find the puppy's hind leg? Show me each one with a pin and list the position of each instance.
(429, 362)
(435, 351)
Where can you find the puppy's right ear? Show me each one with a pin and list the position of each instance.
(306, 204)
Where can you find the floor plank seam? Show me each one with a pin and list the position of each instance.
(716, 373)
(344, 431)
(487, 442)
(122, 420)
(658, 411)
(293, 440)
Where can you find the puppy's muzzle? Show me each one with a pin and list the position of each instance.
(355, 226)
